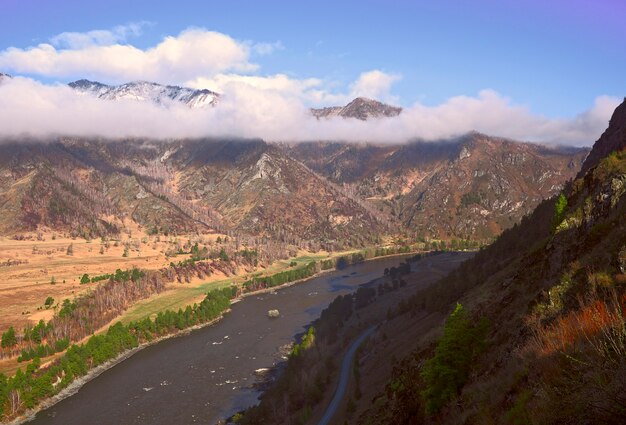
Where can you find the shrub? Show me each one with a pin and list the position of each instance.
(49, 301)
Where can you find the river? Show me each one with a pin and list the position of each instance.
(209, 373)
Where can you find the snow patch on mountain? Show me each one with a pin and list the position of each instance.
(145, 91)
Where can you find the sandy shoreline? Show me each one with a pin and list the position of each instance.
(77, 384)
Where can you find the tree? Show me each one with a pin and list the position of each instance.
(70, 249)
(4, 392)
(85, 279)
(559, 210)
(446, 372)
(8, 338)
(49, 301)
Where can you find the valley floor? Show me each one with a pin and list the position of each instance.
(38, 269)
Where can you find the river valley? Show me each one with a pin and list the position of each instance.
(210, 373)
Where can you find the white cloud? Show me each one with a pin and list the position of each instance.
(310, 91)
(194, 52)
(261, 108)
(279, 83)
(274, 107)
(81, 40)
(263, 49)
(374, 84)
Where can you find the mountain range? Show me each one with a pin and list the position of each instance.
(469, 187)
(149, 92)
(360, 108)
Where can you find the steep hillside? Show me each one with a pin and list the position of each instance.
(259, 190)
(613, 139)
(547, 301)
(328, 193)
(472, 187)
(91, 188)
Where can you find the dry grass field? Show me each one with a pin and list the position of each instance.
(32, 270)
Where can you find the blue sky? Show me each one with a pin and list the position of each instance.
(536, 70)
(554, 57)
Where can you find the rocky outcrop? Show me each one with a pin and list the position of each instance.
(613, 139)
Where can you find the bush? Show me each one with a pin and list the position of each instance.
(48, 303)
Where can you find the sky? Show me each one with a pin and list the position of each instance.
(535, 70)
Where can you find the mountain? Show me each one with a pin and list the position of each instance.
(613, 139)
(147, 91)
(471, 187)
(93, 187)
(545, 305)
(360, 108)
(3, 76)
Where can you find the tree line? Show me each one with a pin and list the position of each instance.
(27, 388)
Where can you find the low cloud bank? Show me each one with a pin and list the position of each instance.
(273, 107)
(30, 108)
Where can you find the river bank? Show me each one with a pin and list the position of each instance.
(310, 378)
(78, 383)
(92, 374)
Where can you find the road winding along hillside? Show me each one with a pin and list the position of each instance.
(344, 377)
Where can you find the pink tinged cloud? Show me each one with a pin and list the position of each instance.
(29, 108)
(273, 107)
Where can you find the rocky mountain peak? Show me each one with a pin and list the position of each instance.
(148, 91)
(613, 139)
(361, 108)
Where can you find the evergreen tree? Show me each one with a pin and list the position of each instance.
(446, 372)
(8, 338)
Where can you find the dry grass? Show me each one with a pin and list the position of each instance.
(580, 365)
(26, 283)
(599, 323)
